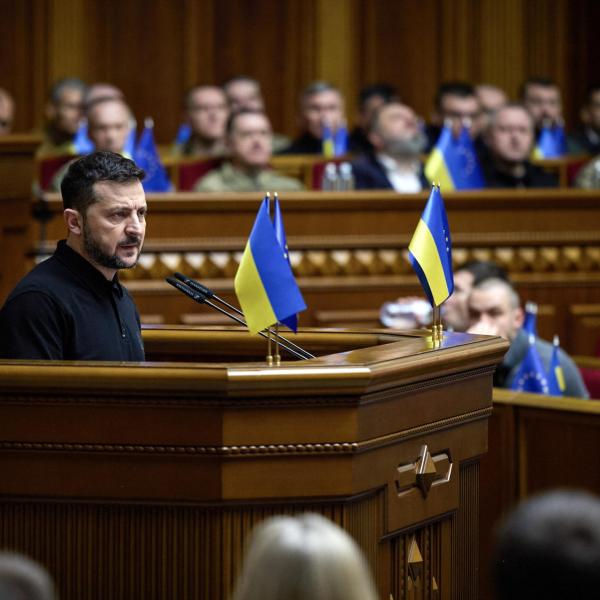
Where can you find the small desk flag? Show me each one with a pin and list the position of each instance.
(292, 320)
(82, 143)
(183, 133)
(454, 162)
(556, 377)
(146, 157)
(530, 323)
(551, 142)
(430, 250)
(340, 140)
(264, 282)
(327, 141)
(531, 376)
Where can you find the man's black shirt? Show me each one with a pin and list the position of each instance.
(65, 309)
(533, 177)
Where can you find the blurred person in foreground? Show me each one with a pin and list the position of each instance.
(245, 93)
(64, 112)
(109, 124)
(21, 578)
(249, 145)
(7, 112)
(206, 110)
(370, 99)
(395, 162)
(320, 104)
(549, 547)
(509, 140)
(495, 309)
(303, 558)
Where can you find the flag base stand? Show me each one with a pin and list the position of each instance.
(437, 329)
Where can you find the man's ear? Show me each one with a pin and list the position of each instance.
(73, 220)
(519, 316)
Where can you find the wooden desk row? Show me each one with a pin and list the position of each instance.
(349, 251)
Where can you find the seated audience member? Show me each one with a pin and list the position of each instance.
(370, 100)
(206, 110)
(490, 98)
(395, 161)
(586, 140)
(495, 309)
(320, 103)
(549, 547)
(109, 123)
(7, 112)
(541, 97)
(23, 579)
(589, 176)
(509, 140)
(456, 103)
(64, 112)
(101, 90)
(249, 145)
(244, 93)
(303, 558)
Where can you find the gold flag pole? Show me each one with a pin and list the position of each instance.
(277, 354)
(269, 333)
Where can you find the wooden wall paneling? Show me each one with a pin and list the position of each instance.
(199, 44)
(583, 331)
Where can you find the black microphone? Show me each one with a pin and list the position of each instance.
(201, 298)
(202, 289)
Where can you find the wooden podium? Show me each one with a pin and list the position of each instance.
(144, 480)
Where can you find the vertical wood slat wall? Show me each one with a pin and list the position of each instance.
(156, 50)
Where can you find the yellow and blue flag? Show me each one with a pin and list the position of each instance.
(146, 157)
(82, 143)
(531, 376)
(327, 143)
(264, 282)
(556, 377)
(530, 322)
(551, 142)
(453, 163)
(292, 320)
(184, 133)
(340, 140)
(430, 250)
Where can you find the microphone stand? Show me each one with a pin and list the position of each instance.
(201, 298)
(202, 289)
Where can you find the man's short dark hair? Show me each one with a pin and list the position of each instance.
(386, 91)
(187, 97)
(483, 269)
(238, 113)
(317, 87)
(541, 81)
(77, 187)
(69, 83)
(462, 89)
(549, 548)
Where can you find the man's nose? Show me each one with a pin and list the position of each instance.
(134, 224)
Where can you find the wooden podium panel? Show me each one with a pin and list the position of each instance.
(144, 480)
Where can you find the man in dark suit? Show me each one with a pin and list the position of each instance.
(395, 161)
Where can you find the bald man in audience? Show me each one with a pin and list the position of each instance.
(395, 162)
(249, 145)
(495, 309)
(206, 110)
(244, 93)
(321, 103)
(7, 112)
(509, 140)
(109, 124)
(64, 112)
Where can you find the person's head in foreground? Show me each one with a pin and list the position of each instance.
(105, 210)
(23, 579)
(549, 548)
(495, 309)
(303, 558)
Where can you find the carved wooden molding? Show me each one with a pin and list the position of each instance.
(425, 472)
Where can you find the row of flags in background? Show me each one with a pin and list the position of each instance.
(143, 152)
(532, 375)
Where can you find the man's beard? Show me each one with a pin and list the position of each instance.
(110, 261)
(406, 148)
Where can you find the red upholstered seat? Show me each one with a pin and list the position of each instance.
(48, 167)
(591, 377)
(318, 169)
(573, 168)
(190, 172)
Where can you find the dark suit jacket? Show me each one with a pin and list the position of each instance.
(305, 144)
(369, 174)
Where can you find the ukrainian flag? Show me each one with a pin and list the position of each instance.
(430, 250)
(556, 377)
(453, 163)
(264, 283)
(327, 142)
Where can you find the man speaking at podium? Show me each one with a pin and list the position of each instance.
(72, 306)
